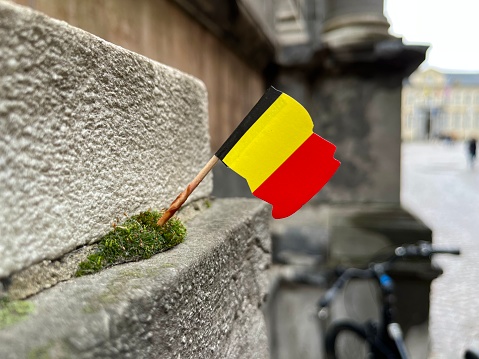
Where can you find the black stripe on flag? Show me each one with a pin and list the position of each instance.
(269, 97)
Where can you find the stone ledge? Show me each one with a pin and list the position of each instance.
(89, 131)
(48, 273)
(201, 299)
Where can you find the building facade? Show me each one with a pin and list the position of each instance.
(440, 105)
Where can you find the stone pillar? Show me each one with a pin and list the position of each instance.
(354, 23)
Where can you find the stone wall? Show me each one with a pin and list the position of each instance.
(229, 62)
(89, 131)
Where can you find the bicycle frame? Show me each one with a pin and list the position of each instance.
(389, 331)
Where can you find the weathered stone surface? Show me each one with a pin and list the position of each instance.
(201, 299)
(88, 131)
(45, 274)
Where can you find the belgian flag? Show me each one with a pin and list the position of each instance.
(275, 149)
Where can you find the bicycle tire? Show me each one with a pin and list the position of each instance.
(335, 330)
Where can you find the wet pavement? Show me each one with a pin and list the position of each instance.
(440, 189)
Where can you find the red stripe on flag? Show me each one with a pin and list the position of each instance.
(300, 177)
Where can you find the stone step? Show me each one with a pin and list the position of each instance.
(201, 299)
(89, 131)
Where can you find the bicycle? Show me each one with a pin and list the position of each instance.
(383, 339)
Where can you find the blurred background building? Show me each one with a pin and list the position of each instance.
(440, 105)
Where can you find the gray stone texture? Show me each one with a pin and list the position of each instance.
(202, 299)
(362, 117)
(294, 327)
(88, 131)
(45, 274)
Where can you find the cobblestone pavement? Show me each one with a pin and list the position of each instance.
(440, 189)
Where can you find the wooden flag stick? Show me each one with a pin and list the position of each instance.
(183, 196)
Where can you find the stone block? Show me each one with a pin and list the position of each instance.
(201, 299)
(89, 131)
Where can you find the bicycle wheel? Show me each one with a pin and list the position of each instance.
(346, 340)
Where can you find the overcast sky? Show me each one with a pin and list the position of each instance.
(451, 27)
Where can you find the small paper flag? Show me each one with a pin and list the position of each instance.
(275, 149)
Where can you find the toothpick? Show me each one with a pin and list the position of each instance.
(183, 196)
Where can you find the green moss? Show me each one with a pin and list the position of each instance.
(138, 237)
(14, 311)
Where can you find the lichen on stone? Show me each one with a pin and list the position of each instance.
(138, 237)
(13, 311)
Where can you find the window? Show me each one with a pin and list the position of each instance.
(456, 120)
(456, 96)
(467, 122)
(447, 122)
(476, 121)
(467, 98)
(409, 121)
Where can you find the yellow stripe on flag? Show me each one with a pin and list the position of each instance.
(280, 130)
